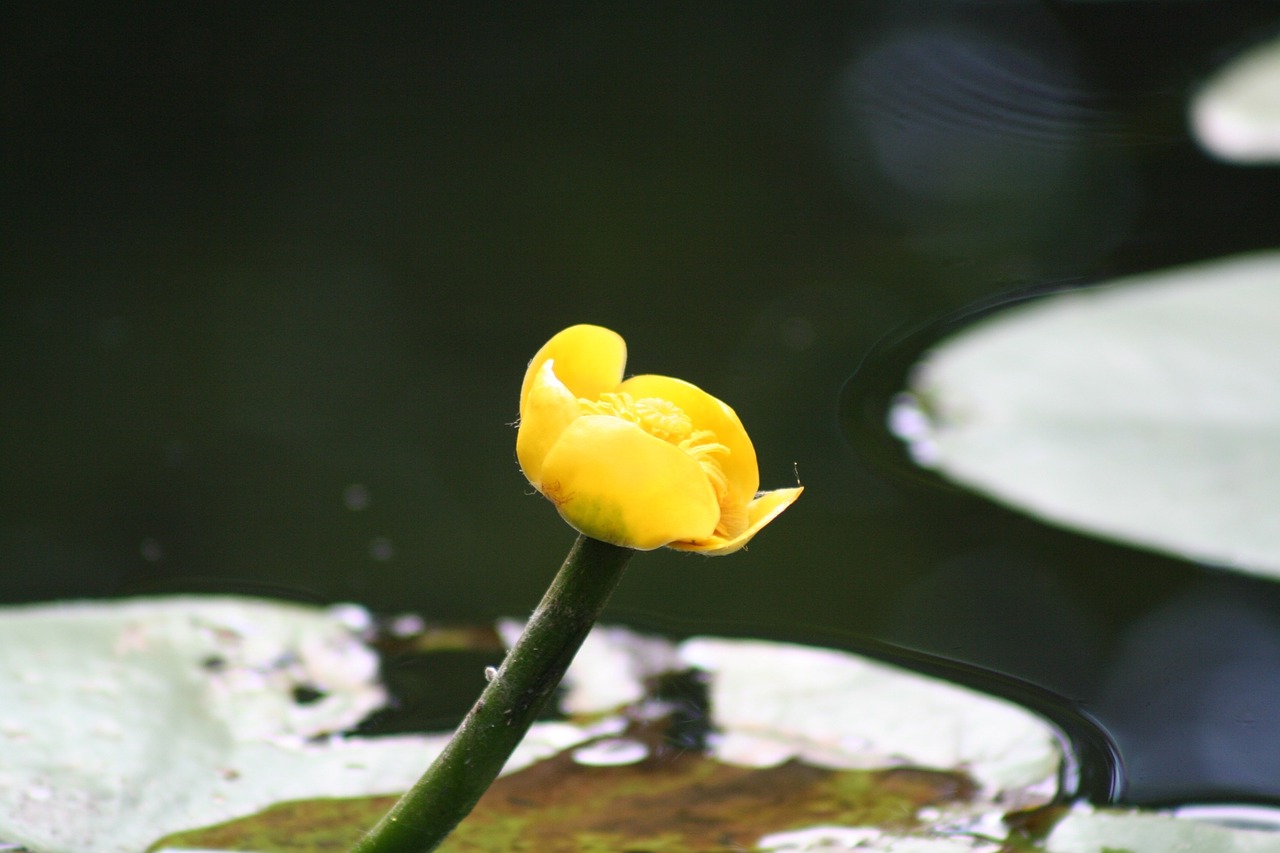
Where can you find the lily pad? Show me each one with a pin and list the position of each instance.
(773, 702)
(1109, 831)
(122, 722)
(1235, 114)
(1147, 411)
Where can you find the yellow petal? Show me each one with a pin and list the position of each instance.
(547, 407)
(762, 510)
(589, 360)
(707, 412)
(613, 481)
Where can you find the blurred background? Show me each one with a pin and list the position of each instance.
(270, 279)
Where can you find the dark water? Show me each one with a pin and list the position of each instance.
(270, 280)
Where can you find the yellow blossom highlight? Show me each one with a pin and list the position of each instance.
(641, 463)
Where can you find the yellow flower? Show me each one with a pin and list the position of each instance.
(648, 462)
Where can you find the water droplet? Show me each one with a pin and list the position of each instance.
(356, 497)
(381, 549)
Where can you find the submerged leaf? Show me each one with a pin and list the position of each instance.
(678, 801)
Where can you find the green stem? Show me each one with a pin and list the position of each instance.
(493, 728)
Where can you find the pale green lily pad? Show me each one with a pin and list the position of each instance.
(123, 722)
(1147, 411)
(1108, 831)
(870, 840)
(1235, 114)
(774, 702)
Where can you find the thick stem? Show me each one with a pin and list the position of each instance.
(493, 728)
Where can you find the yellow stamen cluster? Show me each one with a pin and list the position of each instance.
(667, 421)
(660, 418)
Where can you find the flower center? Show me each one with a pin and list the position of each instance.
(665, 420)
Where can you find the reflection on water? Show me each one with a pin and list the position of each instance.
(1007, 607)
(1193, 691)
(959, 127)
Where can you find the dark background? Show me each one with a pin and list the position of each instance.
(271, 277)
